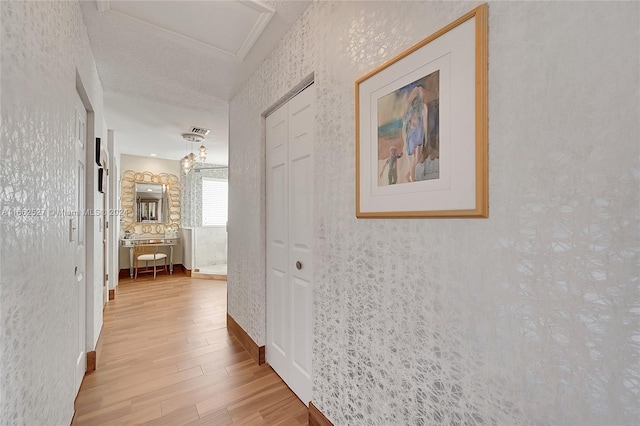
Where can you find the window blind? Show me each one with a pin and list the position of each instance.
(214, 202)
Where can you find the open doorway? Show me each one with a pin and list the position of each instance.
(207, 187)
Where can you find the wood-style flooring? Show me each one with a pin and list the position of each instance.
(165, 358)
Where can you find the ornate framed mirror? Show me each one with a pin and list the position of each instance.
(150, 202)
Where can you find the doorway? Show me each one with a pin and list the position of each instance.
(103, 223)
(77, 235)
(206, 237)
(290, 132)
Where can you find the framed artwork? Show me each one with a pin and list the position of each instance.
(98, 152)
(101, 180)
(421, 127)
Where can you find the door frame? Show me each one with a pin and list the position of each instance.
(103, 224)
(114, 217)
(91, 191)
(304, 83)
(78, 237)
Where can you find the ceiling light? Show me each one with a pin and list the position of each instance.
(185, 164)
(196, 135)
(192, 137)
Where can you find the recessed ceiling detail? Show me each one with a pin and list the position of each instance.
(227, 27)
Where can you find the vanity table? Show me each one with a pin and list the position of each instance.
(155, 241)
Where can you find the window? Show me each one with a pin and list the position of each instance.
(214, 202)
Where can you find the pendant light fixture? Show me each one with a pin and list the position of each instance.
(195, 135)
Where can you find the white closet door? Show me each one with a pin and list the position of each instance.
(277, 348)
(290, 137)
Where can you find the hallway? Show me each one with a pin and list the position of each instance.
(165, 358)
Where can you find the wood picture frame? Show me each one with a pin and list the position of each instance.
(422, 127)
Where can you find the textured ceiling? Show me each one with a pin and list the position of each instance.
(161, 58)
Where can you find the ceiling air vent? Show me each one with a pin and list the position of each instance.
(199, 131)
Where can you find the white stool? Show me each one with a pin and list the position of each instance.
(148, 253)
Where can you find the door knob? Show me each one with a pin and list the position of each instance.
(298, 265)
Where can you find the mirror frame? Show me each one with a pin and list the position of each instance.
(128, 200)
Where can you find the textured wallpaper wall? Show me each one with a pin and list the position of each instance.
(528, 317)
(43, 45)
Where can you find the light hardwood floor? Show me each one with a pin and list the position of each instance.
(165, 358)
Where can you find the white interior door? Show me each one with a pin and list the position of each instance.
(277, 348)
(78, 237)
(289, 140)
